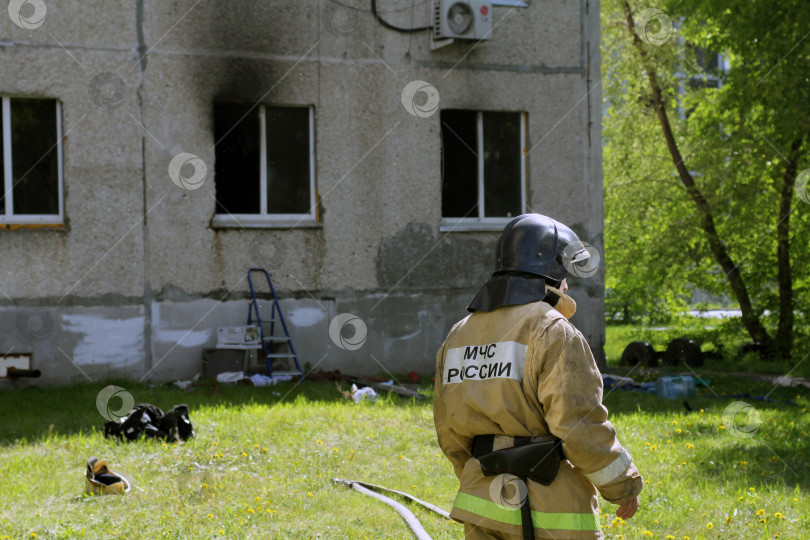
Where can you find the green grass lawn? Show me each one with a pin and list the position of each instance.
(263, 458)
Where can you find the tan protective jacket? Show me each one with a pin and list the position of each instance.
(526, 371)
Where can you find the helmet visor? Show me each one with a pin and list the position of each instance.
(578, 260)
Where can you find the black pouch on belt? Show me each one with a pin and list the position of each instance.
(537, 458)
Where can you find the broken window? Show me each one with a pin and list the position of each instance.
(30, 161)
(483, 168)
(265, 168)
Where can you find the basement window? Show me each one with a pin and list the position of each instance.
(483, 169)
(31, 162)
(265, 166)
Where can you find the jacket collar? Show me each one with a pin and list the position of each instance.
(512, 290)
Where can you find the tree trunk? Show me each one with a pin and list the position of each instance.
(784, 334)
(750, 319)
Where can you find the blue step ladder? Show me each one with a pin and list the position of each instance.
(269, 341)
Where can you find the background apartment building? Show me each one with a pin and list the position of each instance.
(153, 151)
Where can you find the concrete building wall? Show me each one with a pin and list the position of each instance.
(137, 280)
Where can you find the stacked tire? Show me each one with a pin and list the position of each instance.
(683, 351)
(680, 351)
(639, 352)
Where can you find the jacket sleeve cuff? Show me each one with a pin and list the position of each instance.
(624, 492)
(623, 488)
(612, 471)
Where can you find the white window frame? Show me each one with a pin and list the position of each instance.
(481, 222)
(9, 218)
(264, 219)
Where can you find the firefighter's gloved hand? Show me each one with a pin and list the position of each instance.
(627, 510)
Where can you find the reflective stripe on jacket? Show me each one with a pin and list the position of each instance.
(526, 371)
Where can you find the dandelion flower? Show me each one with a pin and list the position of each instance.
(778, 515)
(669, 537)
(761, 512)
(709, 525)
(648, 533)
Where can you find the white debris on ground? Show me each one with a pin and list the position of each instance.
(366, 393)
(232, 377)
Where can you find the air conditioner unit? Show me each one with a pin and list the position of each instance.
(462, 19)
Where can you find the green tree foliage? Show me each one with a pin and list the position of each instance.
(740, 135)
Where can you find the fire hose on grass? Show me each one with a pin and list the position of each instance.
(410, 519)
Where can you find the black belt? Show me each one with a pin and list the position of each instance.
(484, 444)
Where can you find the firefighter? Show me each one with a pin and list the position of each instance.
(518, 400)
